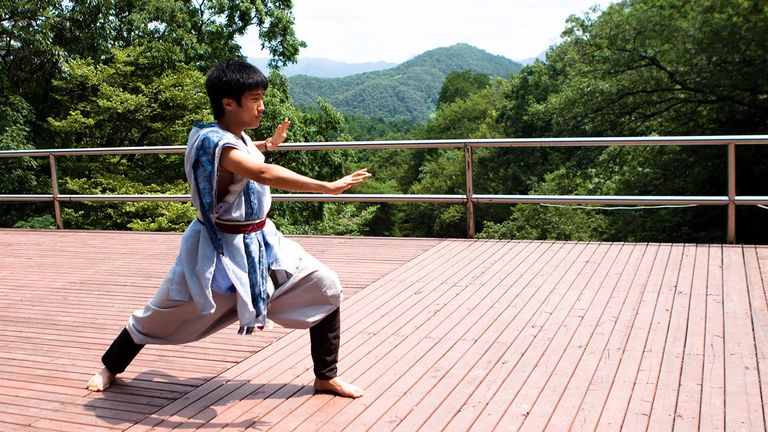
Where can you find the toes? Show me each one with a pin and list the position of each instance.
(100, 381)
(338, 388)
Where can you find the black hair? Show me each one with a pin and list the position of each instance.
(230, 80)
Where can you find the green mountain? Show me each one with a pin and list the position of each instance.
(409, 90)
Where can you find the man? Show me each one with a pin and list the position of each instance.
(233, 263)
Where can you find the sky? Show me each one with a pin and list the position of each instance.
(393, 31)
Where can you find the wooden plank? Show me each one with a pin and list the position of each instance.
(412, 312)
(743, 401)
(33, 397)
(691, 377)
(647, 376)
(759, 304)
(487, 377)
(233, 406)
(713, 388)
(555, 336)
(19, 423)
(262, 409)
(527, 348)
(501, 306)
(594, 361)
(78, 418)
(104, 284)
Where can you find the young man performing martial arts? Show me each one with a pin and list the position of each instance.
(233, 264)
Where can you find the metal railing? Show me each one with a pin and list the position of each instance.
(469, 198)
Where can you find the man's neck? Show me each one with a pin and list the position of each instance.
(227, 126)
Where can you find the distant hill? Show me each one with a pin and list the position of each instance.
(409, 90)
(542, 56)
(323, 68)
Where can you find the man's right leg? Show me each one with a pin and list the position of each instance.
(116, 359)
(162, 321)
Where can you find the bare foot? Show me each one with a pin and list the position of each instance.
(338, 387)
(101, 380)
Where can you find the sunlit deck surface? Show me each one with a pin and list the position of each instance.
(443, 334)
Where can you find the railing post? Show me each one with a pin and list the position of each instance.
(731, 193)
(470, 191)
(55, 191)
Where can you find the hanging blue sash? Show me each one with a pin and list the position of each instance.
(206, 175)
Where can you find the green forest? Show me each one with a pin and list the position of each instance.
(409, 91)
(124, 73)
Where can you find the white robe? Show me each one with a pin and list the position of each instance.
(307, 290)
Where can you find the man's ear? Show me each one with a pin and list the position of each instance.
(228, 104)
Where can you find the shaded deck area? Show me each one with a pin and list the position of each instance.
(443, 334)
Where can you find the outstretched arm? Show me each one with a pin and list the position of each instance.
(240, 162)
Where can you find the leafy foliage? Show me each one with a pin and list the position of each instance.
(645, 67)
(642, 67)
(117, 73)
(364, 128)
(460, 84)
(130, 72)
(336, 219)
(144, 215)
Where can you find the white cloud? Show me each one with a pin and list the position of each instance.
(393, 31)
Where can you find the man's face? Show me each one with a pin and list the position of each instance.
(248, 112)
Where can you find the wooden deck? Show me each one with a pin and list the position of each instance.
(448, 335)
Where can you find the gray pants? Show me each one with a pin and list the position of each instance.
(308, 299)
(299, 301)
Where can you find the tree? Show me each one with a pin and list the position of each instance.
(649, 67)
(667, 67)
(131, 73)
(460, 84)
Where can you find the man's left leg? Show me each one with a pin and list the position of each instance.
(325, 338)
(310, 298)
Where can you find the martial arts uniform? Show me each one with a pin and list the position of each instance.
(222, 275)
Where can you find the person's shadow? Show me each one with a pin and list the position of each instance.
(137, 400)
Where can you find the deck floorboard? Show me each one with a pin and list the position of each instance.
(444, 334)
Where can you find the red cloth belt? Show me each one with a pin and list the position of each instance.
(240, 227)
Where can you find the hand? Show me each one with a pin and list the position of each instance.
(347, 182)
(281, 132)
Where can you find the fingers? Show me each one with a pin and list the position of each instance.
(362, 173)
(343, 184)
(282, 128)
(359, 176)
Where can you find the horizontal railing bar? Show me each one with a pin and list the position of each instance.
(99, 151)
(25, 198)
(360, 145)
(371, 198)
(275, 197)
(751, 200)
(488, 199)
(123, 198)
(601, 199)
(534, 142)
